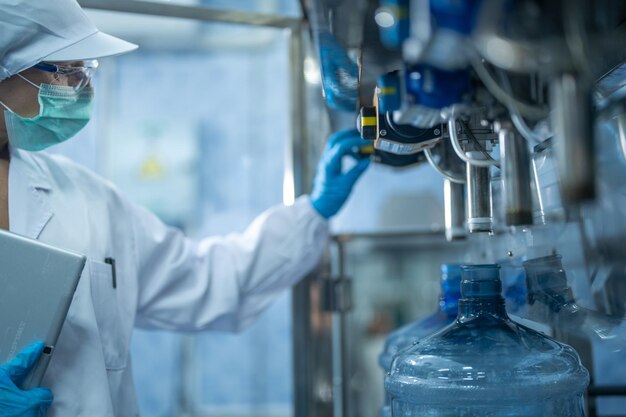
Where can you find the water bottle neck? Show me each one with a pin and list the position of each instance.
(481, 289)
(471, 308)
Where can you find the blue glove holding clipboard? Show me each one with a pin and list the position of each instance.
(24, 403)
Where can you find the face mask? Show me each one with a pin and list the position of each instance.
(63, 112)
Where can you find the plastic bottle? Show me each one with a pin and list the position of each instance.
(484, 364)
(513, 277)
(408, 335)
(551, 301)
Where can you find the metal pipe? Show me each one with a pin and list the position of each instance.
(571, 119)
(193, 12)
(304, 342)
(517, 193)
(479, 213)
(540, 213)
(621, 132)
(294, 178)
(454, 210)
(341, 371)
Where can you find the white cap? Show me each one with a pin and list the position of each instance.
(50, 30)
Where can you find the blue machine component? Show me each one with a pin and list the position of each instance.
(389, 93)
(340, 74)
(485, 364)
(394, 29)
(435, 88)
(439, 75)
(456, 15)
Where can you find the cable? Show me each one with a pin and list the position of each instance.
(522, 127)
(516, 117)
(469, 134)
(484, 163)
(446, 174)
(527, 110)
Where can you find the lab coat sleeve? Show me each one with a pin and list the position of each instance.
(223, 283)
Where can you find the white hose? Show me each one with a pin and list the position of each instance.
(456, 145)
(517, 119)
(445, 174)
(523, 128)
(502, 95)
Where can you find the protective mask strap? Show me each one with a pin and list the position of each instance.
(5, 106)
(28, 81)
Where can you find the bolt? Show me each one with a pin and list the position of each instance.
(437, 132)
(509, 253)
(383, 132)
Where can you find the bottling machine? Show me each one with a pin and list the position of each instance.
(520, 107)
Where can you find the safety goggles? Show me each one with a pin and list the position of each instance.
(77, 77)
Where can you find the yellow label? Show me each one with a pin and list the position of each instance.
(368, 121)
(387, 91)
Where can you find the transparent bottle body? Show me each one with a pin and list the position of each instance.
(411, 333)
(551, 301)
(405, 337)
(484, 364)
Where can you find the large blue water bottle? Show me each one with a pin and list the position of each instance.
(484, 364)
(408, 335)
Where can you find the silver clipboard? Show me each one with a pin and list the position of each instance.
(37, 283)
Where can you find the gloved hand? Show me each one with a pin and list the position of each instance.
(331, 187)
(15, 402)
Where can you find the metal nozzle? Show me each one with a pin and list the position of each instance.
(479, 214)
(515, 160)
(454, 205)
(570, 98)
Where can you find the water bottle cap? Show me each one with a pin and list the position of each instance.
(480, 281)
(450, 278)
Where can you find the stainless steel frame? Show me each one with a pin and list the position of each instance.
(193, 12)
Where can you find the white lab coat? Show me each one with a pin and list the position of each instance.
(164, 280)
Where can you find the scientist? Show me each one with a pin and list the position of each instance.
(163, 280)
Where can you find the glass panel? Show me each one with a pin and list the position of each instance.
(250, 373)
(395, 281)
(194, 126)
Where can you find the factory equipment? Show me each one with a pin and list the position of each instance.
(519, 105)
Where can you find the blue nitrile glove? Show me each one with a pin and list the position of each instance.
(17, 402)
(331, 187)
